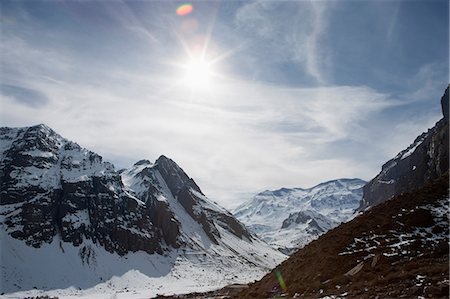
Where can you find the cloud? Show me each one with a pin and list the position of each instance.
(296, 42)
(26, 96)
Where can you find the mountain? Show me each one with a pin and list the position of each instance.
(71, 222)
(426, 159)
(288, 219)
(397, 248)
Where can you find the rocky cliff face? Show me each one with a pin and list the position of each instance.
(425, 160)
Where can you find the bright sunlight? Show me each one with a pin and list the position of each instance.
(198, 73)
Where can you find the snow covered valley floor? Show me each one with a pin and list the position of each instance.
(88, 271)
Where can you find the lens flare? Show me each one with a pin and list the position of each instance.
(185, 9)
(281, 281)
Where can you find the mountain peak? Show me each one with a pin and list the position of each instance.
(163, 158)
(42, 128)
(143, 162)
(175, 176)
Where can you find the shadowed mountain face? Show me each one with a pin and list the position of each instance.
(58, 197)
(426, 159)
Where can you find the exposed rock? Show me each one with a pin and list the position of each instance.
(423, 161)
(174, 176)
(353, 271)
(444, 104)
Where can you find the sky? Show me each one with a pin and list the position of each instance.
(244, 96)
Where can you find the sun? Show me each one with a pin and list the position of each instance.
(198, 72)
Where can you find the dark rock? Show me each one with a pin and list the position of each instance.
(418, 218)
(174, 176)
(422, 162)
(189, 203)
(444, 103)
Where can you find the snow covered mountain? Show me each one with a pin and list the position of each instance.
(290, 218)
(72, 224)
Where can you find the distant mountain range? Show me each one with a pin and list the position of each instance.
(288, 219)
(70, 220)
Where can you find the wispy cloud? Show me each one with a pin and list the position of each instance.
(23, 95)
(297, 42)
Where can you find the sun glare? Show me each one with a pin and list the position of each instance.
(198, 73)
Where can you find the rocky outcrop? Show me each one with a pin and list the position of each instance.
(444, 104)
(175, 178)
(315, 223)
(423, 161)
(51, 186)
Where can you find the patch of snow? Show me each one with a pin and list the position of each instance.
(38, 153)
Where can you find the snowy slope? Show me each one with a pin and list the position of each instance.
(58, 269)
(290, 218)
(73, 226)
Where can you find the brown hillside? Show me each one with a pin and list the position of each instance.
(398, 249)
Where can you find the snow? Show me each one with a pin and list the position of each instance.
(412, 148)
(38, 153)
(329, 204)
(396, 243)
(78, 218)
(386, 182)
(136, 275)
(208, 204)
